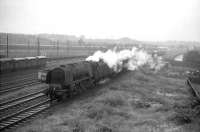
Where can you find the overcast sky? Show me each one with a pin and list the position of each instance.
(137, 19)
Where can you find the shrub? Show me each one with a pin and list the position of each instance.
(98, 112)
(140, 104)
(114, 98)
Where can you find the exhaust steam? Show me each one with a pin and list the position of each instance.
(127, 59)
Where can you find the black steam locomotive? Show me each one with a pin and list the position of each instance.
(68, 80)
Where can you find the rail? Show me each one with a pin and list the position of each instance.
(17, 87)
(194, 91)
(14, 111)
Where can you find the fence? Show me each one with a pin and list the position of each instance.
(19, 45)
(34, 46)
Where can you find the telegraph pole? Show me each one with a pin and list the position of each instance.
(38, 47)
(57, 48)
(29, 48)
(7, 47)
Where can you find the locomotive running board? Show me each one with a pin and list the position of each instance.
(77, 81)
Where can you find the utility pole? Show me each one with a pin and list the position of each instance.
(67, 48)
(57, 48)
(7, 47)
(38, 47)
(29, 48)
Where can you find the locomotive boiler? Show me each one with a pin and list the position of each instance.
(67, 80)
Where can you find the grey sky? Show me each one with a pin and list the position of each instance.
(137, 19)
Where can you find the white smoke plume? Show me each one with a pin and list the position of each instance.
(128, 59)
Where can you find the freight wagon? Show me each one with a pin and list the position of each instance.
(14, 64)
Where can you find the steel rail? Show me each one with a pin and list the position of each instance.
(22, 97)
(5, 90)
(196, 94)
(22, 115)
(18, 102)
(17, 80)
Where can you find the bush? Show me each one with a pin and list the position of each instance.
(97, 112)
(186, 114)
(140, 104)
(114, 101)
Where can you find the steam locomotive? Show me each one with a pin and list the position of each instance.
(67, 80)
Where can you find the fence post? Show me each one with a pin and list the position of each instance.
(67, 46)
(57, 48)
(38, 47)
(29, 48)
(7, 47)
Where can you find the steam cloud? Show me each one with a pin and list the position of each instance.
(128, 59)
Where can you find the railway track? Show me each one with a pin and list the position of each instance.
(18, 80)
(13, 87)
(17, 74)
(20, 109)
(17, 110)
(193, 89)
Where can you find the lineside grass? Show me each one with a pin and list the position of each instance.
(137, 101)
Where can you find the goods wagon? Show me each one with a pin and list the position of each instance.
(41, 60)
(31, 62)
(14, 64)
(7, 64)
(20, 63)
